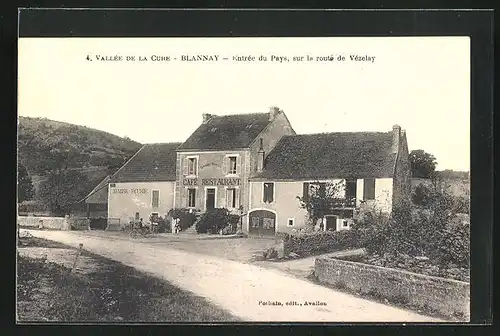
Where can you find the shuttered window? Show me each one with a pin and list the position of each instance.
(369, 189)
(268, 192)
(305, 192)
(231, 198)
(155, 199)
(192, 166)
(191, 198)
(232, 165)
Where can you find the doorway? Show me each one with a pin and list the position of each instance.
(331, 223)
(210, 199)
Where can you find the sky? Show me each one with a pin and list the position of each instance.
(420, 83)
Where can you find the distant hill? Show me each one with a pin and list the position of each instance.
(45, 145)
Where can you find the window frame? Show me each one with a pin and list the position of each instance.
(152, 198)
(234, 190)
(189, 199)
(365, 196)
(264, 192)
(196, 160)
(229, 171)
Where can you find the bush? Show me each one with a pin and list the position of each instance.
(217, 219)
(431, 229)
(163, 225)
(185, 216)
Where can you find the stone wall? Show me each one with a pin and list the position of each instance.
(55, 223)
(447, 297)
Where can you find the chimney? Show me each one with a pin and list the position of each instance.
(396, 138)
(260, 157)
(273, 112)
(206, 117)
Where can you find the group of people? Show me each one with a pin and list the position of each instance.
(176, 228)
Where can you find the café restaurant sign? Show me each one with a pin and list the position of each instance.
(212, 182)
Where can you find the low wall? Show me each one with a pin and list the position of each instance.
(447, 297)
(55, 223)
(79, 223)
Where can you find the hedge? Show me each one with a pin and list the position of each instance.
(307, 244)
(218, 219)
(186, 217)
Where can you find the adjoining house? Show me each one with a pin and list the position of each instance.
(96, 204)
(144, 185)
(256, 164)
(370, 170)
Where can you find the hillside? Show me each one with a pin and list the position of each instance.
(45, 145)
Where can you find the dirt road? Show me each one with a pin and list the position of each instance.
(248, 291)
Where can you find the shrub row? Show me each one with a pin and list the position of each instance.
(186, 217)
(217, 220)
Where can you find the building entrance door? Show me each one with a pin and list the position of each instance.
(210, 199)
(331, 223)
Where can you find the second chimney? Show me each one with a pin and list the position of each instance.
(396, 138)
(206, 117)
(273, 112)
(260, 157)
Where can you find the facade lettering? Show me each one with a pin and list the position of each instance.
(220, 181)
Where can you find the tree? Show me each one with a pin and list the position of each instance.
(25, 189)
(321, 198)
(423, 164)
(62, 189)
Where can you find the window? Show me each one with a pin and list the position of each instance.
(136, 216)
(192, 166)
(191, 198)
(305, 192)
(350, 189)
(231, 198)
(232, 165)
(291, 221)
(345, 223)
(369, 189)
(268, 192)
(155, 199)
(112, 185)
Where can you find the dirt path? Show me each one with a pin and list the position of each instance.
(238, 287)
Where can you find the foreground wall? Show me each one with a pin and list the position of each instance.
(446, 296)
(55, 223)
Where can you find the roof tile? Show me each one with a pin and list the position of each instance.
(153, 162)
(331, 155)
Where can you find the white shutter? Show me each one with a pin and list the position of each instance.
(185, 166)
(227, 200)
(238, 198)
(238, 164)
(224, 165)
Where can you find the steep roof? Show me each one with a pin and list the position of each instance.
(227, 132)
(153, 162)
(331, 155)
(103, 184)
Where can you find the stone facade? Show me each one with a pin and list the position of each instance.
(447, 297)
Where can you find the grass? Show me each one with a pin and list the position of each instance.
(114, 292)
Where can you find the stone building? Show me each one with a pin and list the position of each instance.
(256, 164)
